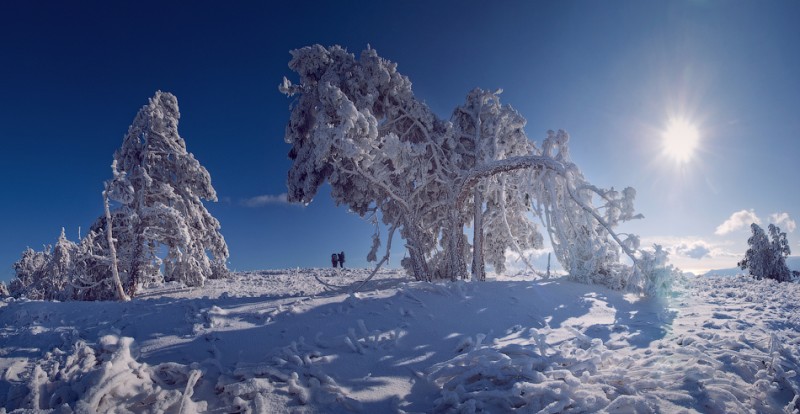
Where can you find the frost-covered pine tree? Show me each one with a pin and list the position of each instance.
(45, 275)
(61, 267)
(766, 259)
(29, 274)
(159, 187)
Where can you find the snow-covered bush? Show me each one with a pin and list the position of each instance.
(766, 259)
(357, 125)
(653, 274)
(4, 290)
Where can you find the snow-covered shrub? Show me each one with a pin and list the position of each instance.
(106, 377)
(653, 275)
(766, 259)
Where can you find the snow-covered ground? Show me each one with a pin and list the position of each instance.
(297, 341)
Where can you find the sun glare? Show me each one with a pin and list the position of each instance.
(680, 140)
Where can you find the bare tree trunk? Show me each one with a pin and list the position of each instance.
(121, 295)
(478, 264)
(136, 261)
(417, 254)
(418, 263)
(455, 267)
(548, 266)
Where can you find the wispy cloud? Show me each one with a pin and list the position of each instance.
(265, 200)
(738, 220)
(784, 221)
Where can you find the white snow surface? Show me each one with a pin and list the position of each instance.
(296, 341)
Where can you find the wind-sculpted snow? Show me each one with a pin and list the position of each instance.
(298, 341)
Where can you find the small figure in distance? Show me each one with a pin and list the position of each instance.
(341, 260)
(334, 260)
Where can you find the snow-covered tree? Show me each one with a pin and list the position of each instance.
(30, 278)
(45, 275)
(357, 125)
(159, 187)
(766, 259)
(4, 293)
(580, 218)
(486, 131)
(93, 277)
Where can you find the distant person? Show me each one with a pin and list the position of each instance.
(334, 260)
(341, 260)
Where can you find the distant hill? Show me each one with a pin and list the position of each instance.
(792, 261)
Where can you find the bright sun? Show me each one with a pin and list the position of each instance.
(680, 140)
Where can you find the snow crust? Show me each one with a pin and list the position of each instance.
(296, 340)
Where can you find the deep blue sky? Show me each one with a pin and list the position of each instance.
(74, 74)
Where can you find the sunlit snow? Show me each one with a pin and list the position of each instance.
(298, 341)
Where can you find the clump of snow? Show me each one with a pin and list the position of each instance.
(255, 343)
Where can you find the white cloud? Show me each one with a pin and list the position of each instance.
(737, 220)
(695, 254)
(688, 247)
(784, 221)
(264, 200)
(696, 249)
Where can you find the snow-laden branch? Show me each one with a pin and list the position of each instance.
(503, 166)
(380, 263)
